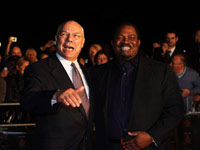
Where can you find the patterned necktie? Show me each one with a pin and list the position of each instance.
(77, 81)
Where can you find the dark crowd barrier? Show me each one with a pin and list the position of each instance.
(16, 127)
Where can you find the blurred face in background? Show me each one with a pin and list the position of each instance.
(177, 64)
(93, 49)
(102, 59)
(16, 51)
(171, 39)
(22, 67)
(22, 63)
(70, 40)
(31, 55)
(92, 53)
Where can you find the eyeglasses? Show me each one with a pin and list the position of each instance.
(75, 36)
(176, 63)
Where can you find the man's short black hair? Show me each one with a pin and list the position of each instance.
(172, 31)
(119, 25)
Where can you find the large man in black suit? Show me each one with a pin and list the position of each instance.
(137, 99)
(48, 87)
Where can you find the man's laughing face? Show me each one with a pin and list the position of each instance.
(126, 43)
(70, 40)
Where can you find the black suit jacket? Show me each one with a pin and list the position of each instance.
(168, 58)
(57, 126)
(157, 106)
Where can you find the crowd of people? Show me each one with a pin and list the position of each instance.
(13, 63)
(169, 79)
(12, 66)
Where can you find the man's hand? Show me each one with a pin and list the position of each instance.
(185, 92)
(197, 98)
(69, 97)
(140, 140)
(10, 39)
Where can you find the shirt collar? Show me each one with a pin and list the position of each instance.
(67, 62)
(180, 75)
(133, 61)
(172, 49)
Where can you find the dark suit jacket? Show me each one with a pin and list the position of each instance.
(157, 106)
(168, 58)
(58, 126)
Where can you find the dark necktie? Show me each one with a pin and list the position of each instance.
(168, 52)
(77, 81)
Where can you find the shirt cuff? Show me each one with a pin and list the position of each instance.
(53, 101)
(154, 145)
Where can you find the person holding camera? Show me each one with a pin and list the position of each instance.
(15, 51)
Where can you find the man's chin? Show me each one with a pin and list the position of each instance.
(125, 57)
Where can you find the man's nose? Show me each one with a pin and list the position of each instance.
(69, 38)
(126, 40)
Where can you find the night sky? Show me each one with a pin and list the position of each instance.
(35, 27)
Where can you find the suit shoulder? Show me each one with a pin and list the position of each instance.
(192, 71)
(160, 69)
(157, 64)
(40, 65)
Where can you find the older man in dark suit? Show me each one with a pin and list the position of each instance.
(138, 101)
(49, 85)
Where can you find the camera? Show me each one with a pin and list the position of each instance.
(5, 68)
(14, 39)
(86, 61)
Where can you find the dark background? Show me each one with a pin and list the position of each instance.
(35, 26)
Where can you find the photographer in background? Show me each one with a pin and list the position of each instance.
(49, 47)
(15, 51)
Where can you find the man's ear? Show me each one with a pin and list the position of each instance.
(83, 42)
(177, 38)
(139, 42)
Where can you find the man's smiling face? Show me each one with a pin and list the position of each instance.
(70, 40)
(126, 43)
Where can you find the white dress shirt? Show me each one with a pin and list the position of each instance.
(68, 68)
(172, 50)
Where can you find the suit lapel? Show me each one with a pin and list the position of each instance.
(107, 93)
(142, 88)
(61, 77)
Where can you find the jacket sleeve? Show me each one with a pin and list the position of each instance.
(173, 109)
(34, 97)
